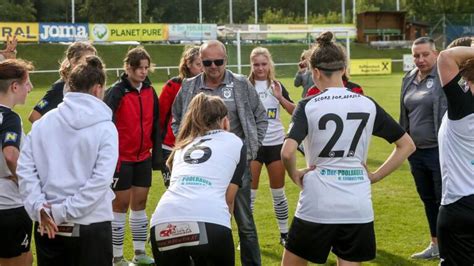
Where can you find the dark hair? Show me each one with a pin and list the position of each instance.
(13, 70)
(134, 56)
(189, 55)
(463, 41)
(87, 74)
(74, 52)
(328, 56)
(424, 40)
(466, 69)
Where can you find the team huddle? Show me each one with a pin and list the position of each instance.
(89, 157)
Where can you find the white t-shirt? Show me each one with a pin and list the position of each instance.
(336, 126)
(456, 143)
(275, 132)
(200, 177)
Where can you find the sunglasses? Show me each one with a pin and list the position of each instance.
(217, 62)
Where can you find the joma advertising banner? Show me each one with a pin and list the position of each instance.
(127, 32)
(25, 32)
(63, 32)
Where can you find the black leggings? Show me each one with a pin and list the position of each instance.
(219, 251)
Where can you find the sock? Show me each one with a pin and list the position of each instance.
(139, 225)
(118, 233)
(280, 204)
(253, 196)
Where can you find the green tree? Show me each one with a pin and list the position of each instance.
(20, 10)
(107, 11)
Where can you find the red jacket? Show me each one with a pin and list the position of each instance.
(168, 93)
(349, 85)
(136, 116)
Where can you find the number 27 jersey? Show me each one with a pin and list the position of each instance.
(336, 127)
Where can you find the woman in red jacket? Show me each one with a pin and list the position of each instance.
(189, 66)
(135, 108)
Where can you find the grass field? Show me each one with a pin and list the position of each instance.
(401, 227)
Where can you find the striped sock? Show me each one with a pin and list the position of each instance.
(253, 197)
(139, 225)
(280, 204)
(118, 233)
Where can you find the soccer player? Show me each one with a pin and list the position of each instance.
(273, 95)
(75, 54)
(15, 225)
(422, 106)
(192, 220)
(334, 209)
(190, 65)
(65, 171)
(134, 104)
(456, 144)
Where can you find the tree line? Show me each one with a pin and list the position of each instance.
(217, 11)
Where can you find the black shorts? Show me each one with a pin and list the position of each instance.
(215, 247)
(15, 231)
(130, 174)
(314, 241)
(456, 232)
(269, 154)
(91, 246)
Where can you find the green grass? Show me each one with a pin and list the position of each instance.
(400, 224)
(47, 56)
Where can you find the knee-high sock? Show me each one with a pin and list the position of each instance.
(280, 204)
(253, 197)
(139, 225)
(118, 233)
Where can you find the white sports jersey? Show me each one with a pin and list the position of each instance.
(275, 132)
(200, 176)
(456, 142)
(336, 126)
(11, 134)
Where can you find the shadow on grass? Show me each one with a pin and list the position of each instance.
(383, 258)
(386, 258)
(271, 254)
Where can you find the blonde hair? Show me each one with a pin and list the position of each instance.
(204, 113)
(189, 55)
(74, 52)
(264, 52)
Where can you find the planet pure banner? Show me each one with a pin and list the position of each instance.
(192, 32)
(25, 32)
(63, 32)
(127, 32)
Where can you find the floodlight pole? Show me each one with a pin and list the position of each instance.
(305, 11)
(398, 5)
(354, 12)
(73, 15)
(140, 11)
(231, 19)
(343, 9)
(200, 11)
(256, 12)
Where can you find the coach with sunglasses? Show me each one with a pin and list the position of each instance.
(247, 120)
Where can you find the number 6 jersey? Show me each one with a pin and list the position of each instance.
(336, 126)
(200, 176)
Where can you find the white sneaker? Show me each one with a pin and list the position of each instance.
(120, 261)
(143, 259)
(431, 252)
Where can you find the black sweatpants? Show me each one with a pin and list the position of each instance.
(456, 232)
(93, 246)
